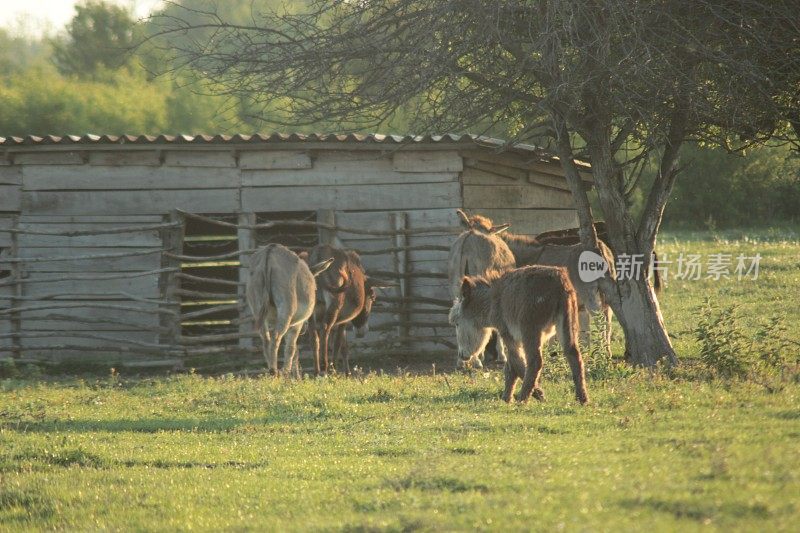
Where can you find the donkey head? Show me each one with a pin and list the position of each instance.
(468, 315)
(361, 321)
(481, 223)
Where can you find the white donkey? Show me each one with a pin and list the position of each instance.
(281, 293)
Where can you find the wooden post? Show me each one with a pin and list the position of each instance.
(169, 282)
(16, 272)
(247, 241)
(399, 223)
(328, 236)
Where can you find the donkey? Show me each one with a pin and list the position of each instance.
(570, 236)
(525, 306)
(564, 236)
(476, 253)
(280, 293)
(345, 294)
(529, 251)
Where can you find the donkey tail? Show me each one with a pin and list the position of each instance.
(259, 290)
(567, 324)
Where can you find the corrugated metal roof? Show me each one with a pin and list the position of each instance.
(98, 140)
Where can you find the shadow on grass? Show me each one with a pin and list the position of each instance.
(235, 465)
(141, 425)
(436, 483)
(462, 396)
(78, 457)
(700, 511)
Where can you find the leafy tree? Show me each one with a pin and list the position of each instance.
(718, 189)
(40, 101)
(99, 36)
(18, 52)
(614, 81)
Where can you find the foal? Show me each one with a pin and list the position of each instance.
(526, 307)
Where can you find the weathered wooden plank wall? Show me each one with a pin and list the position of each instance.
(88, 281)
(10, 194)
(109, 287)
(531, 201)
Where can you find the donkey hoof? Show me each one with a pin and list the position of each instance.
(538, 394)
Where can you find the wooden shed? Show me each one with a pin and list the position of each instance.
(128, 250)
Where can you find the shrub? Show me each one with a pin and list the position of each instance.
(599, 365)
(728, 351)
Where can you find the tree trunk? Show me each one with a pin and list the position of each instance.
(638, 312)
(632, 299)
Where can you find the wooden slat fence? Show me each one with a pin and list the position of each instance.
(130, 291)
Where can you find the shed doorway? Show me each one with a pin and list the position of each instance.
(213, 309)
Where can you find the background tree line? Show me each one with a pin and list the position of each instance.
(86, 80)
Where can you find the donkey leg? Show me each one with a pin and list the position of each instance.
(569, 343)
(281, 327)
(342, 350)
(337, 346)
(532, 344)
(315, 346)
(578, 375)
(514, 367)
(331, 316)
(607, 332)
(501, 350)
(274, 345)
(263, 333)
(585, 325)
(290, 351)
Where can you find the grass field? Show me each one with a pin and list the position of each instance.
(657, 452)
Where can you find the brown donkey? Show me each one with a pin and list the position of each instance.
(525, 306)
(345, 294)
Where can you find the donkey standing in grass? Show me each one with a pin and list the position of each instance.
(529, 251)
(345, 294)
(281, 295)
(476, 253)
(525, 306)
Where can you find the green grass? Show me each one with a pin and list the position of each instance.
(397, 453)
(656, 452)
(775, 292)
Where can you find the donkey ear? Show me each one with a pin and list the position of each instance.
(497, 230)
(467, 284)
(303, 256)
(319, 268)
(464, 219)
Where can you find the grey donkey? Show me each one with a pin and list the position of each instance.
(281, 294)
(476, 253)
(526, 307)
